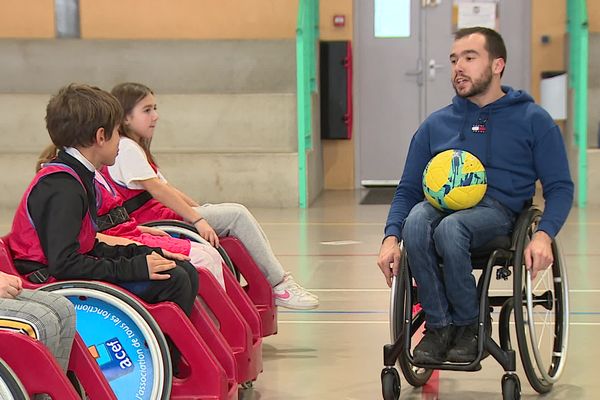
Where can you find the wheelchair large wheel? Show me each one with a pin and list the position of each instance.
(10, 386)
(415, 376)
(123, 338)
(184, 230)
(541, 316)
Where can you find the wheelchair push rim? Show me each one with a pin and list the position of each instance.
(123, 337)
(415, 376)
(541, 316)
(556, 278)
(184, 230)
(11, 387)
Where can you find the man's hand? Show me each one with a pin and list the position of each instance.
(152, 231)
(207, 232)
(10, 286)
(158, 264)
(538, 254)
(389, 258)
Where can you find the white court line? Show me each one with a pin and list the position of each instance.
(348, 290)
(331, 322)
(387, 290)
(337, 322)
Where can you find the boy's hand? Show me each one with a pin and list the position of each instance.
(175, 256)
(10, 286)
(207, 232)
(389, 258)
(152, 231)
(158, 264)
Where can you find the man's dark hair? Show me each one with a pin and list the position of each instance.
(76, 112)
(494, 44)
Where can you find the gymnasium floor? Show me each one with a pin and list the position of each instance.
(335, 352)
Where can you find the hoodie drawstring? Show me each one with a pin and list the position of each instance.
(461, 132)
(488, 132)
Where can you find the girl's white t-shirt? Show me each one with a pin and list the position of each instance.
(132, 165)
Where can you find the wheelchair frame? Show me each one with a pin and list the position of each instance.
(10, 386)
(208, 362)
(554, 300)
(240, 263)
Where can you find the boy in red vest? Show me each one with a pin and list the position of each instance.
(54, 229)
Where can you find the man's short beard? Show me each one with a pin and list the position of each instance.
(479, 86)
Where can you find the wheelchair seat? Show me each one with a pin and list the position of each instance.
(240, 263)
(481, 255)
(209, 373)
(543, 301)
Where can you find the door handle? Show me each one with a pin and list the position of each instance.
(433, 66)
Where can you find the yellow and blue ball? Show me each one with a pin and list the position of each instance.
(454, 180)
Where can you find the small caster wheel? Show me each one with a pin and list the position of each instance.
(511, 387)
(390, 384)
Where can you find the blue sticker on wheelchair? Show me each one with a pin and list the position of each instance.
(118, 345)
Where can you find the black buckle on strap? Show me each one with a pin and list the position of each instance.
(39, 276)
(114, 217)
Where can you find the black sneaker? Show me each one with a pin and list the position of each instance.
(465, 347)
(432, 349)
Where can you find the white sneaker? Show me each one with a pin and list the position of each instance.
(289, 294)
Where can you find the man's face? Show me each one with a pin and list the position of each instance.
(472, 69)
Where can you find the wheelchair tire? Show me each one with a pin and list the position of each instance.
(183, 230)
(158, 375)
(11, 387)
(415, 376)
(390, 384)
(511, 387)
(541, 316)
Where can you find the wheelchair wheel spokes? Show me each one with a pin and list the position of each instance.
(415, 376)
(542, 326)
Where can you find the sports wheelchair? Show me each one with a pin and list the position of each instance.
(11, 388)
(19, 352)
(540, 308)
(114, 324)
(240, 263)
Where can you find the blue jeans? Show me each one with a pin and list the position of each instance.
(439, 246)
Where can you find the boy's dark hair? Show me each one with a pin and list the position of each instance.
(77, 111)
(494, 44)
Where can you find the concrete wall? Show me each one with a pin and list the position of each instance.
(228, 111)
(191, 49)
(221, 66)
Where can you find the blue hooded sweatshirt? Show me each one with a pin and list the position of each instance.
(516, 140)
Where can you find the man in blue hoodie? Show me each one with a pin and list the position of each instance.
(518, 143)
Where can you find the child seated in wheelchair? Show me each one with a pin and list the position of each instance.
(116, 227)
(136, 177)
(47, 317)
(54, 228)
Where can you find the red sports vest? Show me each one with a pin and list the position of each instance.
(24, 241)
(152, 210)
(108, 198)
